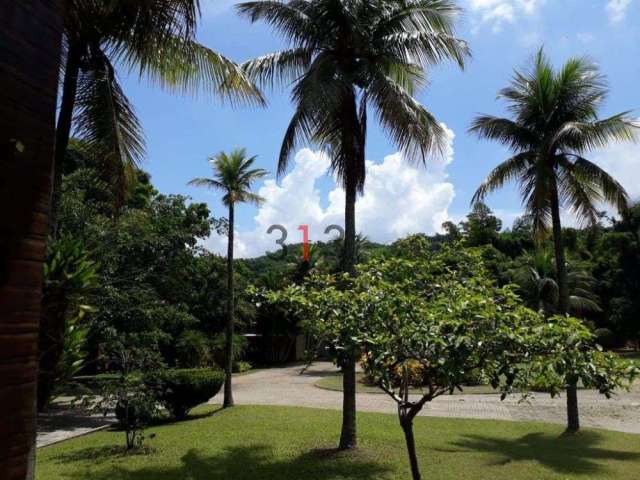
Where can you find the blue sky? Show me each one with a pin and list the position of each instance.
(182, 131)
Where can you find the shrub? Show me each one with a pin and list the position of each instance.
(192, 350)
(133, 403)
(180, 390)
(605, 337)
(240, 367)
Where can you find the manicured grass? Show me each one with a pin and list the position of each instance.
(334, 382)
(283, 443)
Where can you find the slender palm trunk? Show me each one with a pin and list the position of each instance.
(30, 34)
(63, 127)
(573, 417)
(355, 146)
(228, 351)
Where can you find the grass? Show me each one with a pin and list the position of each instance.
(285, 443)
(334, 382)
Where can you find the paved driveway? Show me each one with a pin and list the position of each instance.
(286, 386)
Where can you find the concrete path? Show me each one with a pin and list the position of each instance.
(63, 422)
(286, 386)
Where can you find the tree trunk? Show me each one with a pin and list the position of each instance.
(30, 34)
(228, 351)
(348, 436)
(63, 127)
(573, 418)
(406, 422)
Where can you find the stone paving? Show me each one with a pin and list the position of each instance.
(63, 422)
(286, 386)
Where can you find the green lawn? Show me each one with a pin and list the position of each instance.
(282, 443)
(334, 382)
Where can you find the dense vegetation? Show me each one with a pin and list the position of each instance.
(155, 291)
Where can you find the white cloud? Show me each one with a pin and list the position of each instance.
(622, 161)
(617, 10)
(498, 12)
(399, 199)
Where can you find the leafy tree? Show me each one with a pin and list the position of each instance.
(555, 122)
(344, 58)
(481, 227)
(427, 321)
(233, 174)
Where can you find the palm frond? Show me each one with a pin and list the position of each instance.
(509, 170)
(278, 68)
(179, 64)
(106, 121)
(411, 127)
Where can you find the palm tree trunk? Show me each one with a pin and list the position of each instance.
(348, 435)
(228, 351)
(63, 127)
(30, 33)
(573, 417)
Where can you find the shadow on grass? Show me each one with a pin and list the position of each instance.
(253, 462)
(99, 455)
(568, 454)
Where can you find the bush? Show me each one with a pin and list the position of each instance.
(192, 350)
(241, 367)
(180, 390)
(605, 337)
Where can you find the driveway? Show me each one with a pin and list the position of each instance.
(286, 386)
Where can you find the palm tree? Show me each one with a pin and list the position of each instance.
(555, 123)
(344, 58)
(30, 35)
(232, 174)
(536, 277)
(154, 38)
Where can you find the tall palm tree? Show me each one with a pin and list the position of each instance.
(346, 57)
(232, 174)
(30, 35)
(156, 40)
(555, 123)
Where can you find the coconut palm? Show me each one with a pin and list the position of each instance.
(153, 38)
(555, 123)
(233, 175)
(30, 35)
(343, 58)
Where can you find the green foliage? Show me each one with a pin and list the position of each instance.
(69, 278)
(182, 389)
(133, 403)
(193, 350)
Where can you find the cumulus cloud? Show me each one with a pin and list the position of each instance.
(400, 199)
(622, 161)
(498, 12)
(617, 10)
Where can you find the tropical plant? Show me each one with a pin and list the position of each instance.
(69, 276)
(154, 38)
(344, 58)
(555, 123)
(537, 279)
(233, 174)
